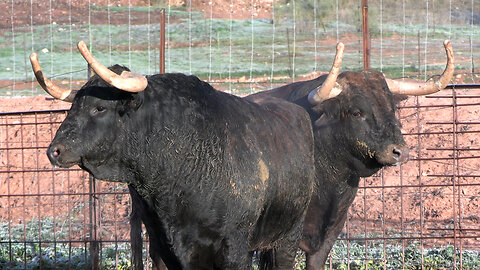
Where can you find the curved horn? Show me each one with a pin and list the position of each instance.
(324, 91)
(47, 85)
(429, 87)
(127, 81)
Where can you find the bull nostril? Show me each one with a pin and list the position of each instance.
(393, 155)
(397, 153)
(53, 153)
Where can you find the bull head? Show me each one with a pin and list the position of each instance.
(330, 88)
(127, 81)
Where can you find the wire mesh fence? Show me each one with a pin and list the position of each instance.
(53, 217)
(424, 213)
(238, 44)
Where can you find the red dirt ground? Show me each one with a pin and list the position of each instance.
(60, 10)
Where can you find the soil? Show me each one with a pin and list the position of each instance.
(60, 10)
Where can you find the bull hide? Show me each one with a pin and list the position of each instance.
(212, 176)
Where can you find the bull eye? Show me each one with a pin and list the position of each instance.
(98, 109)
(357, 114)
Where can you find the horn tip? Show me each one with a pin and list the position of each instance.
(448, 48)
(81, 44)
(447, 43)
(340, 46)
(33, 57)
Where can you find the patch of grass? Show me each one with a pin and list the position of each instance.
(372, 256)
(457, 32)
(354, 255)
(215, 48)
(212, 58)
(29, 254)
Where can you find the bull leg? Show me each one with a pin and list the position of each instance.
(266, 260)
(285, 258)
(317, 259)
(155, 251)
(286, 250)
(136, 239)
(158, 264)
(321, 229)
(237, 259)
(280, 258)
(235, 254)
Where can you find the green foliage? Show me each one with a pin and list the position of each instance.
(223, 48)
(373, 255)
(353, 255)
(322, 12)
(25, 251)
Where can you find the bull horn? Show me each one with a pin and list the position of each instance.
(429, 87)
(127, 81)
(47, 85)
(325, 91)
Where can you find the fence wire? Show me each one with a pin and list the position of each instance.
(424, 213)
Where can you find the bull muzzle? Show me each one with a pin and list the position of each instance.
(394, 155)
(60, 157)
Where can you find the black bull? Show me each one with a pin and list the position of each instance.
(215, 176)
(356, 133)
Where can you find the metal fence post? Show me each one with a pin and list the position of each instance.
(366, 35)
(162, 41)
(94, 244)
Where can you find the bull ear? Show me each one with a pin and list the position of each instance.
(131, 104)
(399, 97)
(136, 102)
(327, 111)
